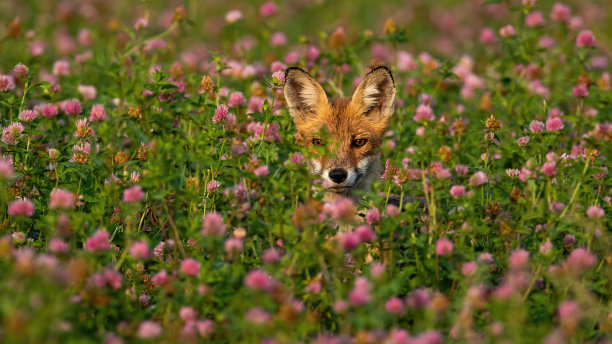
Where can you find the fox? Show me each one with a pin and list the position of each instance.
(348, 158)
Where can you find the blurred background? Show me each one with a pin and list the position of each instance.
(441, 27)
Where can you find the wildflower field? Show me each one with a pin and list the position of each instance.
(152, 189)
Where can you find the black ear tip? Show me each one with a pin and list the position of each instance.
(386, 69)
(294, 68)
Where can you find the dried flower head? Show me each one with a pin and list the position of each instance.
(492, 124)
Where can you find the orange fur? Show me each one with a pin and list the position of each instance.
(363, 116)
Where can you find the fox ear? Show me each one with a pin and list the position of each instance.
(375, 94)
(304, 95)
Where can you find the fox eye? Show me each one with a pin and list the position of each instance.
(359, 142)
(317, 142)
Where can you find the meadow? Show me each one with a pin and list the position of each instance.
(152, 190)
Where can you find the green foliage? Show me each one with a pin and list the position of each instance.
(184, 210)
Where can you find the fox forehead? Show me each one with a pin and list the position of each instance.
(342, 122)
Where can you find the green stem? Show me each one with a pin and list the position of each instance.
(535, 277)
(268, 115)
(174, 231)
(121, 259)
(429, 200)
(154, 38)
(25, 91)
(571, 201)
(437, 270)
(140, 222)
(27, 153)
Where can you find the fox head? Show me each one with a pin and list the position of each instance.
(344, 134)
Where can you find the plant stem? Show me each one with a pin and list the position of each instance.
(571, 201)
(268, 115)
(174, 231)
(154, 38)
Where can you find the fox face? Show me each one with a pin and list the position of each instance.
(344, 135)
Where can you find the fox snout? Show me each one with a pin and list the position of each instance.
(341, 178)
(338, 175)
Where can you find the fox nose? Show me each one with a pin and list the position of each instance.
(338, 175)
